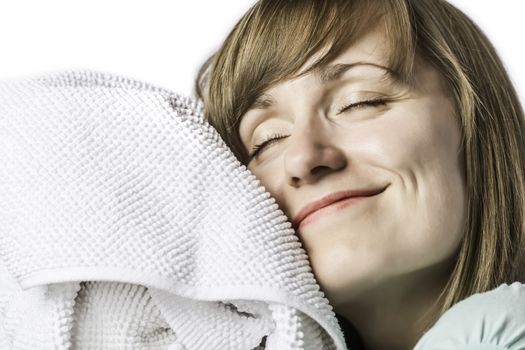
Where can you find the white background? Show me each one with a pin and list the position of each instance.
(164, 42)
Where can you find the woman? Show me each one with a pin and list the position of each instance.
(393, 139)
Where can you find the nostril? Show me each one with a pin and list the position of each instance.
(321, 170)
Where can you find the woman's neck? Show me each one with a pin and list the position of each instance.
(394, 316)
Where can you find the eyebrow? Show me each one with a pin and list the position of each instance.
(324, 75)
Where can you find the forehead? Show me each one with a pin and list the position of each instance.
(371, 50)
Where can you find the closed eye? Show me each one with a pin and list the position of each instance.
(256, 149)
(361, 104)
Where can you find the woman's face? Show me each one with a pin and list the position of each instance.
(357, 128)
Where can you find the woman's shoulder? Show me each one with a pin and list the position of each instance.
(489, 320)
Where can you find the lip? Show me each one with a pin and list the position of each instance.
(335, 197)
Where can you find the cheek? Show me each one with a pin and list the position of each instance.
(416, 149)
(421, 150)
(419, 142)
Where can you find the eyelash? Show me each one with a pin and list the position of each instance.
(372, 103)
(256, 149)
(268, 141)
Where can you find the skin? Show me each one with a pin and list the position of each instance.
(381, 261)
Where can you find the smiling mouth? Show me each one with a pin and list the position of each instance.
(332, 207)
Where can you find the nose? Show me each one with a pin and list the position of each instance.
(311, 154)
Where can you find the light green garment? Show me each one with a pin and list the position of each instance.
(494, 320)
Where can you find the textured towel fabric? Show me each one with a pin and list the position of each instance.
(126, 223)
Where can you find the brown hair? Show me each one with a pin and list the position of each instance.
(275, 38)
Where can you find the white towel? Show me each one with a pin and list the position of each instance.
(127, 223)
